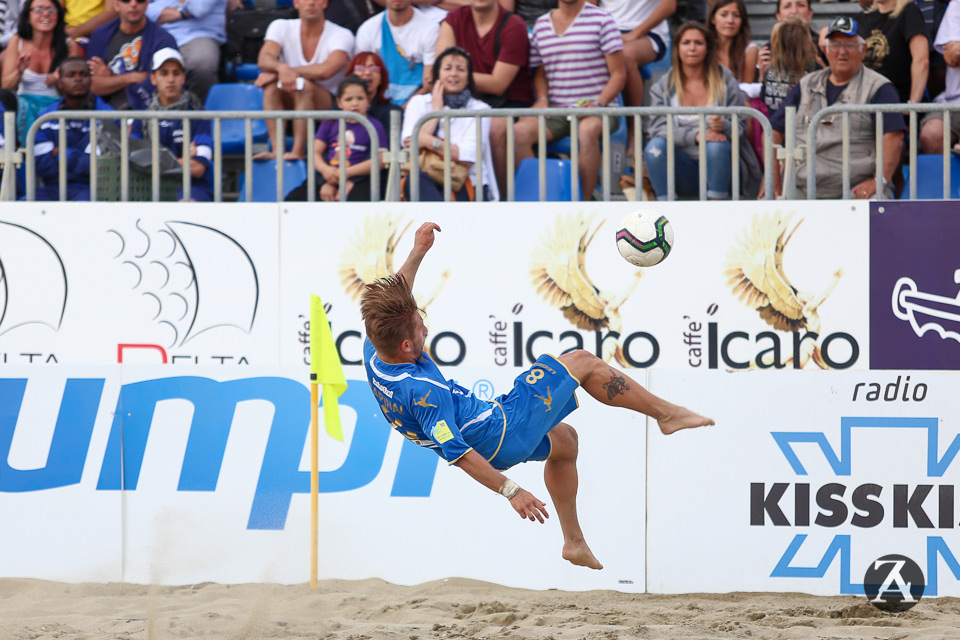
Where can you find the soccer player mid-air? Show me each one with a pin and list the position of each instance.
(486, 437)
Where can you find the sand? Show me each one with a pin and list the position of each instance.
(454, 608)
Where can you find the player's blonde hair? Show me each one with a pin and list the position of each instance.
(387, 306)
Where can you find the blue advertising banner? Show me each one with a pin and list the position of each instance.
(915, 285)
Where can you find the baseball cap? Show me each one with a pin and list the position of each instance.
(844, 24)
(167, 53)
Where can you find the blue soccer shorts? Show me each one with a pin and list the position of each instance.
(541, 398)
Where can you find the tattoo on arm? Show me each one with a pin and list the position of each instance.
(616, 386)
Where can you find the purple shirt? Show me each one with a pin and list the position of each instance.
(575, 61)
(357, 139)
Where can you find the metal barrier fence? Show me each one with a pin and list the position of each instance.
(394, 157)
(9, 158)
(153, 118)
(912, 137)
(606, 114)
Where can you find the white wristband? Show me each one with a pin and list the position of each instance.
(509, 489)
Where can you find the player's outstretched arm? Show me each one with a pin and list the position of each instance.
(422, 242)
(523, 502)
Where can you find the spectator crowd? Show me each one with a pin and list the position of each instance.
(373, 57)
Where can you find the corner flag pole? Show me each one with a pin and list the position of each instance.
(326, 370)
(314, 478)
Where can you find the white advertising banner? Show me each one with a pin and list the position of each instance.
(805, 481)
(748, 284)
(53, 420)
(93, 283)
(147, 474)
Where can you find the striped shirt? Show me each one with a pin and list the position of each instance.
(575, 61)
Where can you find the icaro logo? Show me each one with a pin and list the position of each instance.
(827, 505)
(214, 404)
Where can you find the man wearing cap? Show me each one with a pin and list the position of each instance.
(168, 74)
(845, 82)
(120, 52)
(73, 83)
(199, 27)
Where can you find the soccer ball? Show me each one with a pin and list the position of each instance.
(644, 238)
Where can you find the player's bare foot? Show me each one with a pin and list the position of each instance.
(579, 554)
(293, 155)
(265, 155)
(682, 418)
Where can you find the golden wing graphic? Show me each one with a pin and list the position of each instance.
(755, 271)
(560, 276)
(369, 253)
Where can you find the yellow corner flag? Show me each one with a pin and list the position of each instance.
(325, 367)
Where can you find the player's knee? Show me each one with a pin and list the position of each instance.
(590, 130)
(931, 137)
(564, 442)
(580, 362)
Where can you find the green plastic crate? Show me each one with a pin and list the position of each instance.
(140, 184)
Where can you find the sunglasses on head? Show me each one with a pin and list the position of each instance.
(137, 1)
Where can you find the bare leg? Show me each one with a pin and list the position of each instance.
(614, 388)
(560, 476)
(636, 53)
(274, 99)
(313, 97)
(931, 137)
(498, 151)
(590, 156)
(525, 137)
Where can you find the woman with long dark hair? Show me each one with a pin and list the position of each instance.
(696, 79)
(730, 25)
(40, 45)
(32, 55)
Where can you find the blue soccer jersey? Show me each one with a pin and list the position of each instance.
(433, 412)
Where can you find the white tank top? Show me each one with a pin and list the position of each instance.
(35, 84)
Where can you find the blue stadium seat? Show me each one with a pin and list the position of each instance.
(646, 71)
(237, 97)
(930, 177)
(265, 179)
(246, 72)
(527, 181)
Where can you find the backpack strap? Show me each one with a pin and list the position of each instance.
(503, 22)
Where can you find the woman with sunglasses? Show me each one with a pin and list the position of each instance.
(40, 45)
(120, 53)
(370, 68)
(37, 49)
